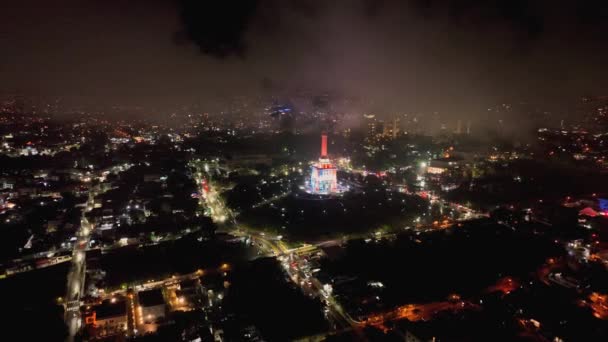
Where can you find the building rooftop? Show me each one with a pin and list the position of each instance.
(107, 309)
(151, 298)
(212, 281)
(188, 284)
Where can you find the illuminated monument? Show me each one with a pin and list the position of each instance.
(323, 173)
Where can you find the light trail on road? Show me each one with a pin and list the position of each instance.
(77, 274)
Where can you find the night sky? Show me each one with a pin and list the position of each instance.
(425, 55)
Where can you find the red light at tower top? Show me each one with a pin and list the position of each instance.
(323, 145)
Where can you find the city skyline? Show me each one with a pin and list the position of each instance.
(304, 170)
(417, 56)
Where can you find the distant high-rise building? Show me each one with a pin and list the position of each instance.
(390, 129)
(395, 130)
(372, 127)
(458, 127)
(435, 124)
(386, 129)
